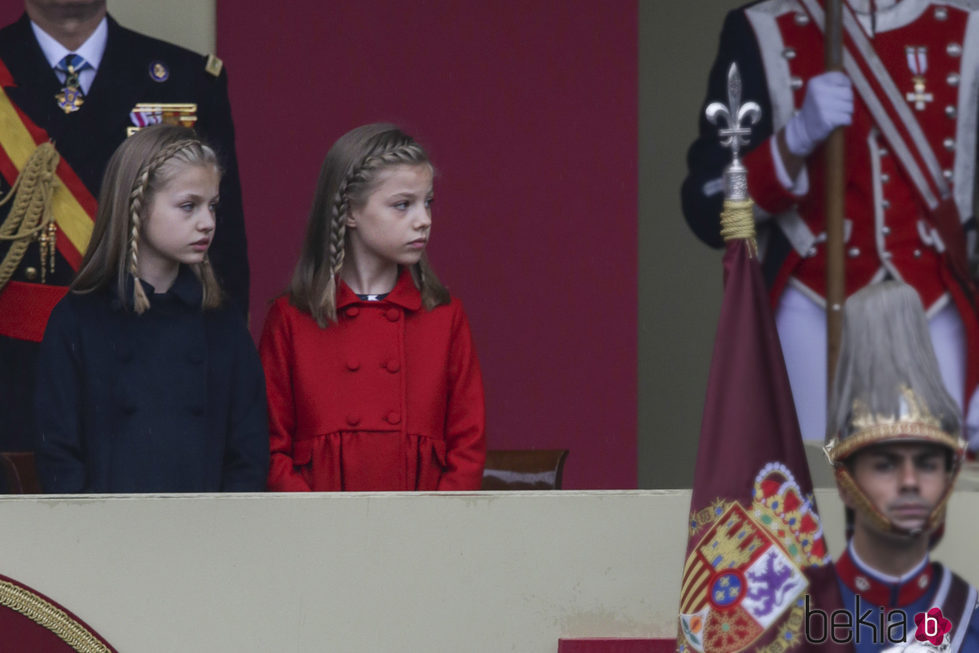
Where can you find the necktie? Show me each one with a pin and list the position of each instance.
(71, 97)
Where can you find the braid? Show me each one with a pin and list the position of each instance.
(358, 178)
(361, 176)
(338, 228)
(408, 152)
(347, 178)
(137, 199)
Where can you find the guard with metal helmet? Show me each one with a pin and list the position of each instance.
(894, 440)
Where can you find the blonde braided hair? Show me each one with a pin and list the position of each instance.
(136, 171)
(346, 179)
(30, 212)
(137, 201)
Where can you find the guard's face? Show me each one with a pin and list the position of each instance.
(903, 481)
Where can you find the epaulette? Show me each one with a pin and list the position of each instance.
(213, 65)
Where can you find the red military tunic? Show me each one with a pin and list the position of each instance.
(889, 229)
(389, 398)
(931, 52)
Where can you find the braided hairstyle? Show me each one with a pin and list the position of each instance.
(348, 176)
(142, 165)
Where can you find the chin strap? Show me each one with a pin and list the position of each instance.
(936, 519)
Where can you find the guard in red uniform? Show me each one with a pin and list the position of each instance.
(908, 100)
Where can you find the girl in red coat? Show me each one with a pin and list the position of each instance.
(373, 382)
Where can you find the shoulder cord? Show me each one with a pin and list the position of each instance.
(30, 213)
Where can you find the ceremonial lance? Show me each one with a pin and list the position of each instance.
(737, 217)
(834, 162)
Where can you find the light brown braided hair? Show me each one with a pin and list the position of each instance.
(140, 167)
(348, 176)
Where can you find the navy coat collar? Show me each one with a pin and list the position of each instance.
(186, 290)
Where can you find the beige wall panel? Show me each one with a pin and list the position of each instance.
(679, 277)
(188, 23)
(483, 572)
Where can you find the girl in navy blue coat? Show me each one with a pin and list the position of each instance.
(147, 381)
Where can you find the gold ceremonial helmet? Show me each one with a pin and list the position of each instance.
(889, 390)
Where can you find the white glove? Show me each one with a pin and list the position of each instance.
(828, 105)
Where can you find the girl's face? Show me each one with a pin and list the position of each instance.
(179, 225)
(393, 225)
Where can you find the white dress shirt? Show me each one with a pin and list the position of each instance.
(91, 51)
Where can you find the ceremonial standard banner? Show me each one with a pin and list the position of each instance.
(757, 564)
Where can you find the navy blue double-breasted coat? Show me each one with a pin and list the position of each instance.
(172, 400)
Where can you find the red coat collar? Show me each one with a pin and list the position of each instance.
(879, 588)
(405, 294)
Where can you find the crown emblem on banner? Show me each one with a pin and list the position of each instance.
(780, 506)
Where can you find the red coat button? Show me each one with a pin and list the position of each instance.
(392, 366)
(353, 365)
(393, 417)
(393, 314)
(353, 420)
(353, 311)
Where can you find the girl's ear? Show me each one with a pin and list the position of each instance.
(350, 220)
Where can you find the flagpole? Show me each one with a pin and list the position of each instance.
(835, 161)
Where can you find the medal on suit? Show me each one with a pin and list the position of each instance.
(918, 63)
(145, 114)
(71, 97)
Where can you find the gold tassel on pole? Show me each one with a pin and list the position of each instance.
(737, 217)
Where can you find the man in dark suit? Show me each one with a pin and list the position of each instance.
(73, 76)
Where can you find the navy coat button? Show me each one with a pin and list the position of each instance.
(353, 420)
(353, 311)
(392, 366)
(393, 417)
(197, 411)
(393, 314)
(196, 356)
(129, 408)
(124, 354)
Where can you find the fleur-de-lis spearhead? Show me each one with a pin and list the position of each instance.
(731, 118)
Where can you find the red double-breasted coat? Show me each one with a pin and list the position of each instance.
(388, 398)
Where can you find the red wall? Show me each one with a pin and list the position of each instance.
(529, 111)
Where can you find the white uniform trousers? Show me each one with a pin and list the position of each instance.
(801, 324)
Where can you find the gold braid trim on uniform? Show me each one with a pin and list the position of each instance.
(50, 617)
(30, 213)
(738, 223)
(837, 450)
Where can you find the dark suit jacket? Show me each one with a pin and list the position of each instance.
(86, 139)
